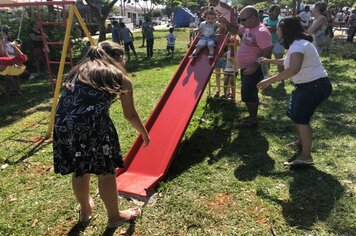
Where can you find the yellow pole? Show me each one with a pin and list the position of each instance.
(60, 70)
(84, 26)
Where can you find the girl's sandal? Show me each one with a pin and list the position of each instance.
(134, 213)
(80, 220)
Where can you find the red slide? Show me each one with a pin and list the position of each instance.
(146, 166)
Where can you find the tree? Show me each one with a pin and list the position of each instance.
(193, 5)
(148, 6)
(102, 8)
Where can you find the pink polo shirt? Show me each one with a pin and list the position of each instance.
(251, 45)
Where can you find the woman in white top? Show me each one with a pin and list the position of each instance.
(319, 27)
(303, 65)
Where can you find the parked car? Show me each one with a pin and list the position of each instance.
(116, 18)
(156, 21)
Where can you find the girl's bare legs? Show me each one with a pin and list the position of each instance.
(306, 137)
(211, 52)
(196, 51)
(81, 188)
(108, 193)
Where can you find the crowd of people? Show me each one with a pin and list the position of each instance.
(85, 141)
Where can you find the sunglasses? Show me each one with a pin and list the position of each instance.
(245, 19)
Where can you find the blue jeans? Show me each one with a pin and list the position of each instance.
(306, 98)
(249, 91)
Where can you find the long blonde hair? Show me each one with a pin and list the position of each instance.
(100, 68)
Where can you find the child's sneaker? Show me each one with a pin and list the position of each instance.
(193, 55)
(211, 55)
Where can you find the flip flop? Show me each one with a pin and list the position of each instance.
(87, 220)
(298, 163)
(91, 202)
(134, 213)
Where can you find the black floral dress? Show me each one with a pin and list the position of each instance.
(84, 138)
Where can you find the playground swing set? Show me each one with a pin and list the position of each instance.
(67, 23)
(147, 166)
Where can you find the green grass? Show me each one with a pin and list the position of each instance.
(222, 181)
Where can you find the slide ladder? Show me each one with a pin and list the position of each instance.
(146, 166)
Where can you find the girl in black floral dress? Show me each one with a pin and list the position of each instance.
(85, 140)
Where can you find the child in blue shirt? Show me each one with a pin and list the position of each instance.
(207, 37)
(127, 38)
(171, 39)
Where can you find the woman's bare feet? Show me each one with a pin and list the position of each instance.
(124, 216)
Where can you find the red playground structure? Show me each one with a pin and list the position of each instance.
(146, 166)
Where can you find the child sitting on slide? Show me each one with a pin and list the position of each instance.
(207, 37)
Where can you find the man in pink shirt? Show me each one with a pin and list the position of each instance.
(256, 41)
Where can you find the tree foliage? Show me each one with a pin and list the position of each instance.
(193, 5)
(102, 8)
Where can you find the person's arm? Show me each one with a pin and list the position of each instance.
(315, 26)
(266, 52)
(296, 61)
(133, 39)
(234, 29)
(130, 112)
(278, 62)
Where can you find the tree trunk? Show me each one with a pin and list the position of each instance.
(102, 29)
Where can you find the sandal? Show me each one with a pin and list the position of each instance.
(91, 203)
(298, 163)
(134, 213)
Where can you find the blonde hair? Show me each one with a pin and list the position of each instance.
(100, 68)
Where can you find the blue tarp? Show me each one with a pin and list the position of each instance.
(182, 17)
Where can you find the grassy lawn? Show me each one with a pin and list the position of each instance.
(224, 180)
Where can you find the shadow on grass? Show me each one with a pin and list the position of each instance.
(33, 149)
(277, 92)
(200, 144)
(15, 108)
(78, 229)
(252, 148)
(112, 231)
(312, 196)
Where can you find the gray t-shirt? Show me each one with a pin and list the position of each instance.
(208, 30)
(125, 35)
